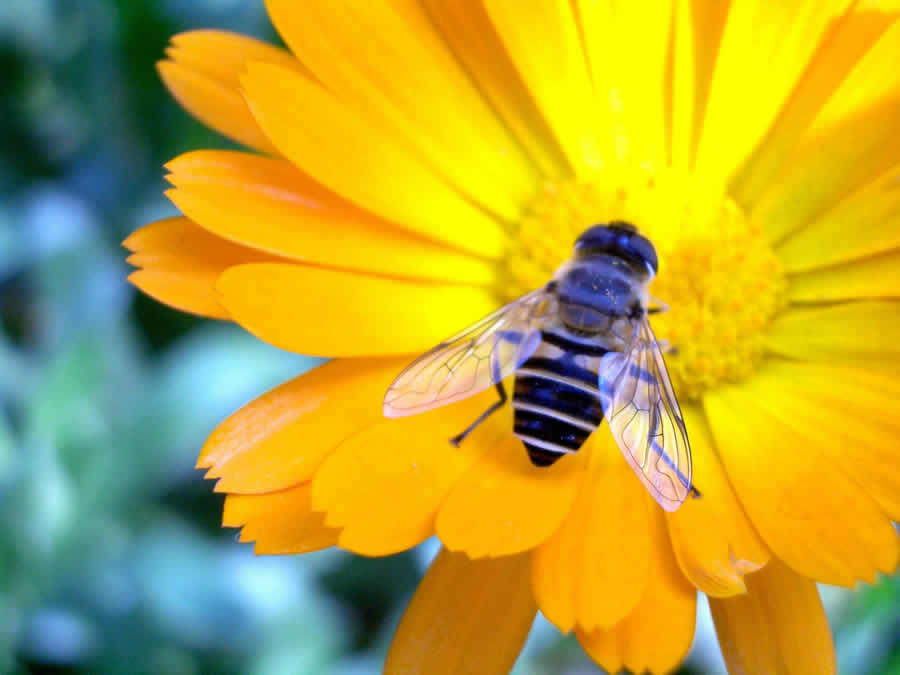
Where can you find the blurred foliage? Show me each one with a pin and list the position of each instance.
(112, 559)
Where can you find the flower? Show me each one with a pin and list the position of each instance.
(422, 163)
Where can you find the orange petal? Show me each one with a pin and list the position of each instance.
(325, 312)
(809, 513)
(279, 522)
(656, 636)
(863, 332)
(179, 264)
(556, 74)
(852, 141)
(779, 626)
(279, 439)
(713, 540)
(389, 65)
(344, 152)
(864, 224)
(222, 55)
(384, 484)
(593, 570)
(782, 39)
(854, 416)
(269, 205)
(636, 90)
(470, 33)
(202, 74)
(504, 504)
(467, 617)
(848, 39)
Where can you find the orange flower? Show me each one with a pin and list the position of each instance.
(424, 162)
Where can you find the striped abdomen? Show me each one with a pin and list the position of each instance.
(556, 399)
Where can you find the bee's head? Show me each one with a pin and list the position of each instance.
(620, 239)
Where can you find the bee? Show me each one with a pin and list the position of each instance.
(581, 350)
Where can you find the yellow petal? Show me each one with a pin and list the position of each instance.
(467, 617)
(384, 484)
(543, 41)
(878, 5)
(279, 439)
(875, 277)
(469, 31)
(344, 152)
(179, 263)
(809, 513)
(635, 90)
(765, 48)
(872, 79)
(324, 312)
(864, 224)
(849, 38)
(698, 31)
(714, 542)
(779, 626)
(856, 416)
(279, 522)
(593, 570)
(504, 504)
(852, 141)
(656, 636)
(862, 332)
(268, 204)
(202, 75)
(390, 66)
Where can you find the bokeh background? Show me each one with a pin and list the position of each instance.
(111, 555)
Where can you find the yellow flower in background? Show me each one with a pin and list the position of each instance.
(423, 163)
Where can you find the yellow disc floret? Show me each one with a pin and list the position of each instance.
(717, 271)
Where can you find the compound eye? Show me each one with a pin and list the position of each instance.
(598, 238)
(644, 250)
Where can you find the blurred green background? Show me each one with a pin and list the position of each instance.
(111, 556)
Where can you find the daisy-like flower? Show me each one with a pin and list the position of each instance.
(418, 164)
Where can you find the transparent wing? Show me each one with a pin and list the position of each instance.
(644, 417)
(473, 360)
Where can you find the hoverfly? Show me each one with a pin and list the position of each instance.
(581, 350)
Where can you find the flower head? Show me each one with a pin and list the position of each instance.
(423, 163)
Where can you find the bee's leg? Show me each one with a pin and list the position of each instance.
(660, 308)
(456, 440)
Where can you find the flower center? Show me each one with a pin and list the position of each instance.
(717, 272)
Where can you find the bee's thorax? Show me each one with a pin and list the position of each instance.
(596, 290)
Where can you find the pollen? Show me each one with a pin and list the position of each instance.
(718, 274)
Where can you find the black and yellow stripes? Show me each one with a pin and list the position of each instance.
(556, 400)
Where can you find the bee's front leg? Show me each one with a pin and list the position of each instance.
(659, 307)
